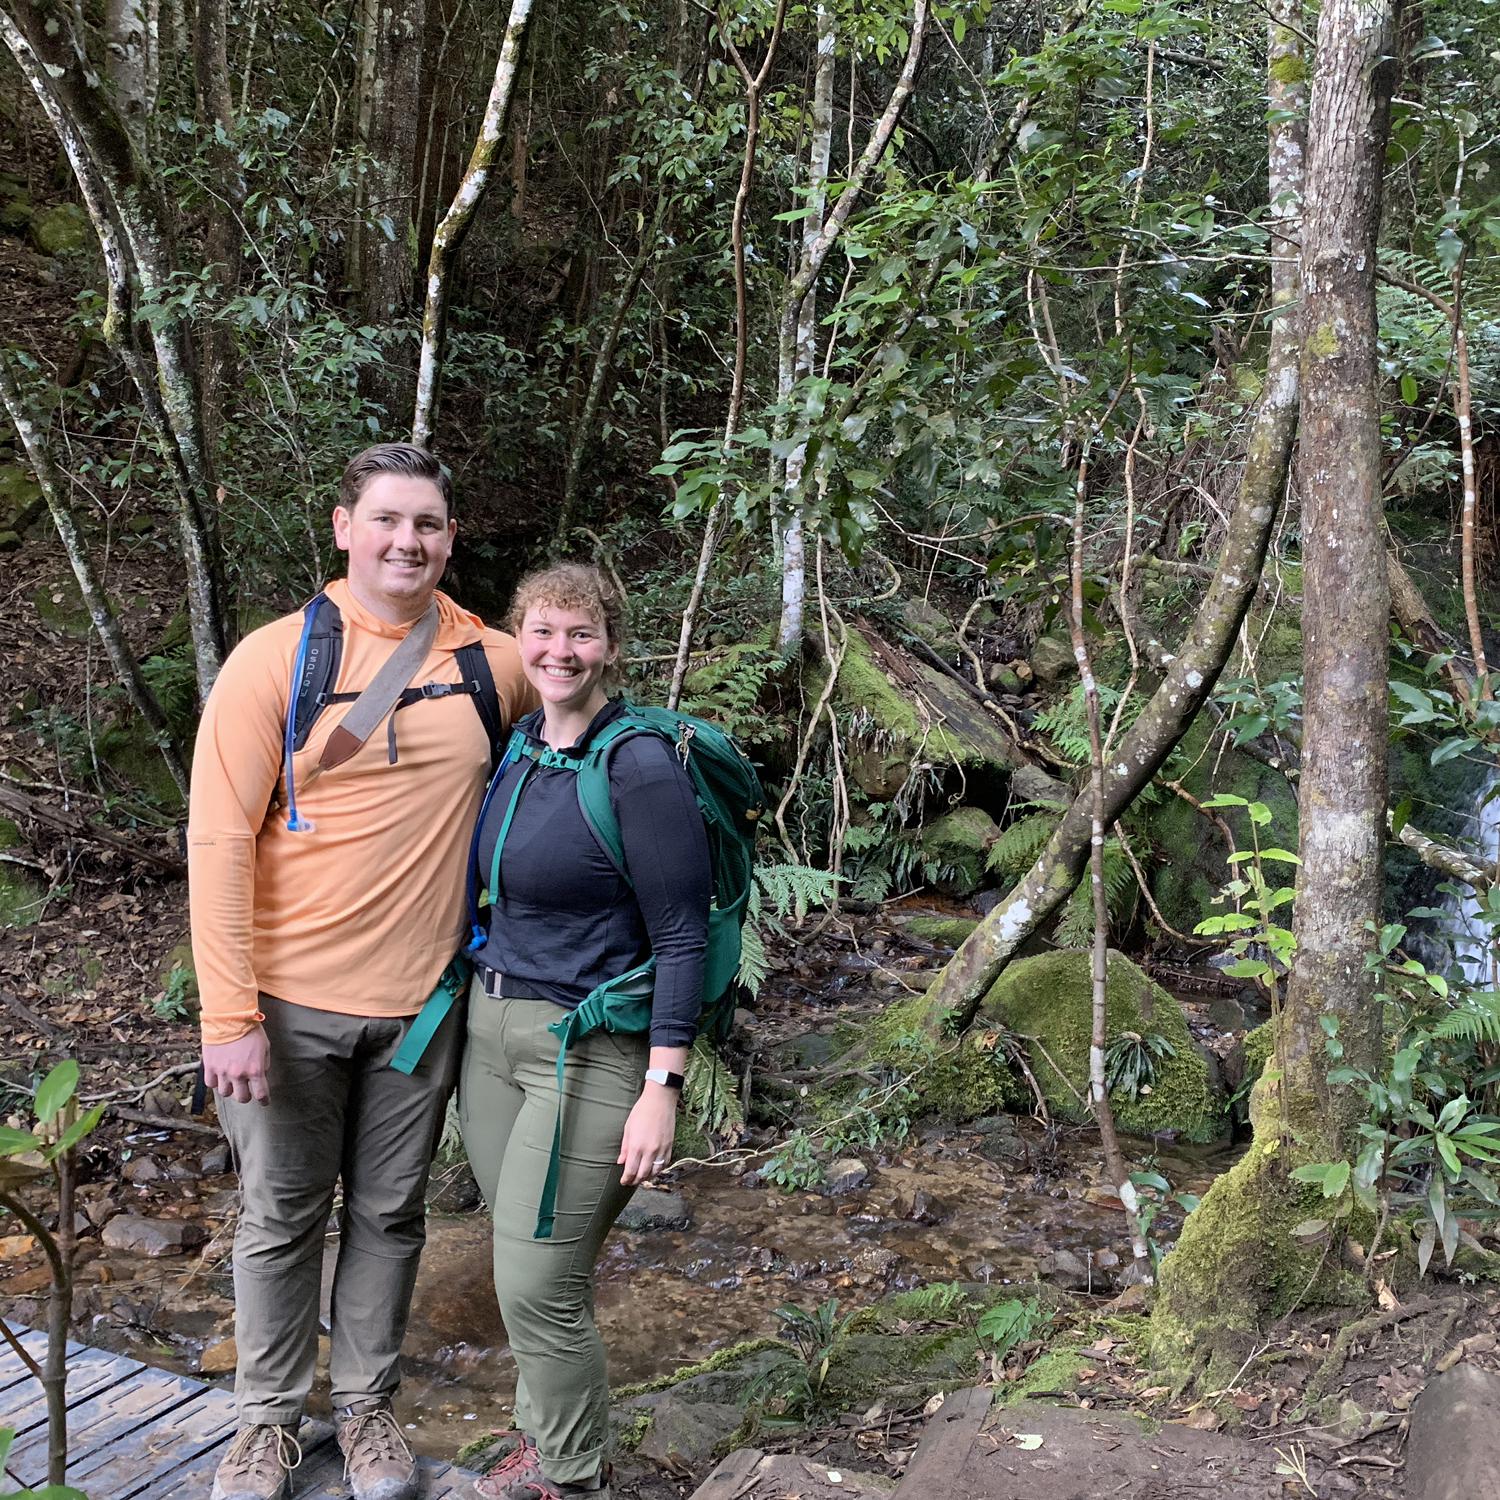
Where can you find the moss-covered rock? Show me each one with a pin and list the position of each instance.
(1050, 998)
(1194, 862)
(60, 608)
(962, 1078)
(957, 844)
(20, 497)
(928, 720)
(949, 932)
(130, 752)
(63, 229)
(20, 897)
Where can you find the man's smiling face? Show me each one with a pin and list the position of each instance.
(399, 537)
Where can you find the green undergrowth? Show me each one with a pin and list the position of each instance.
(721, 1360)
(949, 932)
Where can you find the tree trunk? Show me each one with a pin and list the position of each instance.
(604, 363)
(385, 273)
(804, 351)
(449, 235)
(221, 249)
(1237, 1265)
(714, 526)
(121, 658)
(955, 996)
(125, 60)
(129, 216)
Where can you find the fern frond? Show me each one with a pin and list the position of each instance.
(789, 890)
(1016, 850)
(1476, 1018)
(1075, 929)
(710, 1096)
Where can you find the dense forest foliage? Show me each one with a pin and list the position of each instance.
(930, 375)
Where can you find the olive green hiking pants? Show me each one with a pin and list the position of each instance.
(338, 1111)
(508, 1108)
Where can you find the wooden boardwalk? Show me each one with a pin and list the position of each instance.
(135, 1431)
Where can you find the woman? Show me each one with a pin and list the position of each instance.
(562, 919)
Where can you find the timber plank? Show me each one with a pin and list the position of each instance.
(110, 1417)
(140, 1464)
(12, 1369)
(192, 1479)
(89, 1373)
(944, 1447)
(732, 1477)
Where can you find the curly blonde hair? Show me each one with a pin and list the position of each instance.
(571, 586)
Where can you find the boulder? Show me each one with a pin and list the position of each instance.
(215, 1161)
(958, 843)
(1050, 998)
(1065, 1269)
(1052, 658)
(21, 499)
(653, 1208)
(153, 1237)
(63, 229)
(686, 1435)
(846, 1175)
(911, 712)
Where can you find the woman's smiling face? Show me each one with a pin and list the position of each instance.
(565, 654)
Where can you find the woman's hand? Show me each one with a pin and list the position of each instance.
(647, 1146)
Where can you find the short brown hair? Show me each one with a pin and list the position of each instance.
(571, 586)
(393, 458)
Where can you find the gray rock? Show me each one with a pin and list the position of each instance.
(215, 1161)
(1226, 1013)
(1052, 658)
(1065, 1269)
(1032, 784)
(652, 1208)
(686, 1436)
(10, 541)
(142, 1169)
(846, 1175)
(153, 1237)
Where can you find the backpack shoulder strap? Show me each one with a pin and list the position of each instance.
(475, 666)
(316, 670)
(594, 799)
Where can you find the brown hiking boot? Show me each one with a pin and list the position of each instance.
(378, 1463)
(259, 1463)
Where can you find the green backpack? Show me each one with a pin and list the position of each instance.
(732, 803)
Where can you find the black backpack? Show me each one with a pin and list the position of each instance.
(316, 670)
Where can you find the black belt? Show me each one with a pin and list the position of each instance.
(500, 986)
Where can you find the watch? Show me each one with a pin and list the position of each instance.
(666, 1079)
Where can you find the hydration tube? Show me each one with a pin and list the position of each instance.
(294, 822)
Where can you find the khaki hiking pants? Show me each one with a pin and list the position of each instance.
(508, 1108)
(338, 1111)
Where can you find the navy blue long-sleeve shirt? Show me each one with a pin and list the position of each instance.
(564, 920)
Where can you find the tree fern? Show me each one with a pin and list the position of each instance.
(778, 892)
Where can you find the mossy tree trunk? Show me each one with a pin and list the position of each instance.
(1236, 1265)
(1191, 674)
(121, 192)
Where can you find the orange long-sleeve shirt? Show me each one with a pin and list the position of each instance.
(362, 914)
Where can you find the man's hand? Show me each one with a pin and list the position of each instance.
(237, 1069)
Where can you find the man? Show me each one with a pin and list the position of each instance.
(320, 928)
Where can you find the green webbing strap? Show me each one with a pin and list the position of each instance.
(625, 1002)
(510, 812)
(453, 981)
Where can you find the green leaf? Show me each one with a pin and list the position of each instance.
(56, 1089)
(14, 1142)
(960, 29)
(1449, 1155)
(1282, 856)
(1336, 1180)
(1246, 968)
(76, 1131)
(1409, 390)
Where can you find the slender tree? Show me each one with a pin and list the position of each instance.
(450, 234)
(1232, 1268)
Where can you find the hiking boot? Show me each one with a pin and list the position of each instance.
(378, 1463)
(518, 1476)
(259, 1463)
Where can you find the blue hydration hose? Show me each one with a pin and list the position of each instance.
(477, 933)
(294, 822)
